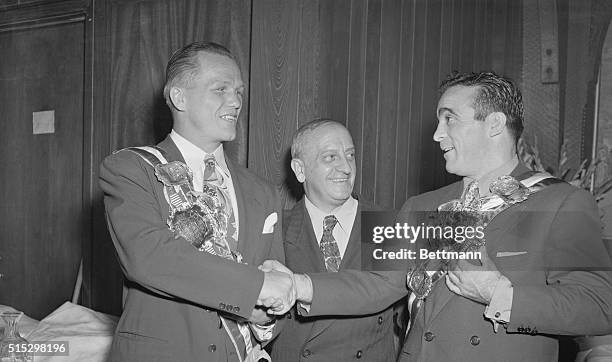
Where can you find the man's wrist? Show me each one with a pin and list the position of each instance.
(268, 323)
(303, 285)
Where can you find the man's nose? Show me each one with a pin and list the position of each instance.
(234, 99)
(344, 165)
(440, 132)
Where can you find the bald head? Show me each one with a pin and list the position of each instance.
(302, 134)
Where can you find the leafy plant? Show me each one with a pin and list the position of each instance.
(582, 177)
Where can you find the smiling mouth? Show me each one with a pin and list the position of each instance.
(446, 149)
(339, 180)
(230, 118)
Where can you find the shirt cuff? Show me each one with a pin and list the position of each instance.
(500, 307)
(305, 294)
(263, 333)
(304, 307)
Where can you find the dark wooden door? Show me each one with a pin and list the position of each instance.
(41, 188)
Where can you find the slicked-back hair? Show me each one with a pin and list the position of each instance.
(300, 136)
(184, 65)
(495, 94)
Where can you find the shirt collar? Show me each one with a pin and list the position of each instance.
(194, 155)
(344, 213)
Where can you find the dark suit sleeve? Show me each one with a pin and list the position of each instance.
(355, 292)
(577, 297)
(151, 256)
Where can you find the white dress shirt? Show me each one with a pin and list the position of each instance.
(194, 158)
(345, 214)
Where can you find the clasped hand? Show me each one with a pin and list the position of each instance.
(278, 293)
(476, 282)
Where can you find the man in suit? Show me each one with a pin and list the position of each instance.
(185, 304)
(544, 270)
(322, 235)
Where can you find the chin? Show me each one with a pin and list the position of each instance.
(342, 196)
(229, 136)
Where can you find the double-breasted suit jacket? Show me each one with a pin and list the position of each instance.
(175, 292)
(550, 249)
(330, 338)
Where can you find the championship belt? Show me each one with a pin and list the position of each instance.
(201, 219)
(507, 192)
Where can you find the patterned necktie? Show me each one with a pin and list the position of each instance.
(329, 246)
(214, 179)
(470, 199)
(210, 169)
(238, 332)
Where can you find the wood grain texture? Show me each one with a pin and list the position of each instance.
(275, 85)
(380, 78)
(143, 36)
(41, 216)
(541, 101)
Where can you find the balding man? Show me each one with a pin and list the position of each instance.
(322, 235)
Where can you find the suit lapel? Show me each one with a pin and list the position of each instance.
(172, 152)
(352, 254)
(244, 200)
(301, 235)
(440, 294)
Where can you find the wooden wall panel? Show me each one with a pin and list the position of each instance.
(394, 57)
(275, 86)
(355, 101)
(41, 216)
(386, 152)
(370, 122)
(143, 35)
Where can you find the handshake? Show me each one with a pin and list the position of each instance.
(281, 288)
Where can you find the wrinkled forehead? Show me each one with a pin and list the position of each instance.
(327, 136)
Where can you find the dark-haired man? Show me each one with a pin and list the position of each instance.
(190, 227)
(543, 270)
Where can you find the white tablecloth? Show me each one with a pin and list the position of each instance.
(89, 333)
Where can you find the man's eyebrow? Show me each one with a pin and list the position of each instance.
(221, 80)
(444, 109)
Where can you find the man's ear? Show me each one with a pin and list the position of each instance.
(497, 121)
(177, 97)
(297, 166)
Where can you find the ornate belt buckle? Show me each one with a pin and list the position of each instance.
(509, 189)
(420, 283)
(173, 173)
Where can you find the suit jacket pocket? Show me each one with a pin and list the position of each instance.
(130, 346)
